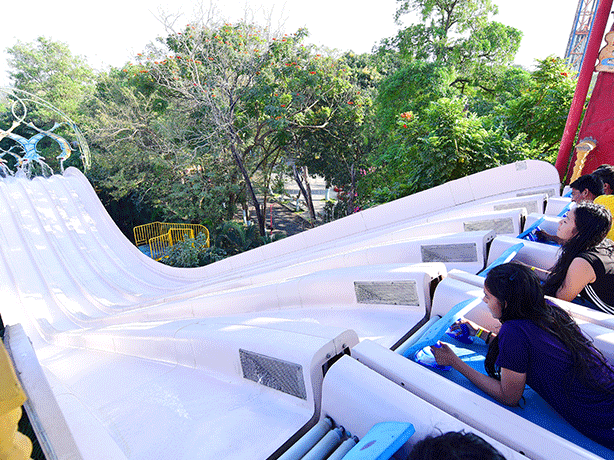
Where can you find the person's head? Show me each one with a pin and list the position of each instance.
(513, 291)
(586, 188)
(454, 446)
(585, 226)
(606, 174)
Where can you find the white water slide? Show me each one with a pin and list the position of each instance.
(125, 358)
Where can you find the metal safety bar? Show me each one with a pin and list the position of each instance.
(325, 441)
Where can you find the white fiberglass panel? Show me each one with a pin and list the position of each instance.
(156, 410)
(138, 347)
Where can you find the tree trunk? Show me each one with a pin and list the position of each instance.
(350, 205)
(309, 197)
(303, 185)
(250, 190)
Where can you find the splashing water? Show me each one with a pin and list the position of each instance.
(19, 142)
(5, 171)
(36, 167)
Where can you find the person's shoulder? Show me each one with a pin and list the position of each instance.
(605, 248)
(517, 333)
(517, 325)
(605, 200)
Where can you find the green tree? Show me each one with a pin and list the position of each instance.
(411, 89)
(52, 85)
(145, 160)
(431, 133)
(459, 34)
(452, 143)
(49, 70)
(339, 152)
(541, 109)
(443, 143)
(246, 93)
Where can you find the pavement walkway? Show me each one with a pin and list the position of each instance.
(282, 211)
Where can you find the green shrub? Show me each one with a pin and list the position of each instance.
(230, 238)
(210, 255)
(235, 238)
(188, 253)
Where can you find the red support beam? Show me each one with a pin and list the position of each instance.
(584, 81)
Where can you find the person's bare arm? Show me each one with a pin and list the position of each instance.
(508, 390)
(540, 272)
(579, 274)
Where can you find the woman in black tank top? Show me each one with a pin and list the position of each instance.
(586, 263)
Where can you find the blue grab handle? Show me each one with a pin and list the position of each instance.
(531, 228)
(504, 258)
(565, 209)
(438, 329)
(381, 442)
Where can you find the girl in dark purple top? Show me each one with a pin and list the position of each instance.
(539, 344)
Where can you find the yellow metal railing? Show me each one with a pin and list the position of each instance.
(159, 244)
(13, 444)
(143, 233)
(161, 235)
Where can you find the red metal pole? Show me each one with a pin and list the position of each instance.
(584, 81)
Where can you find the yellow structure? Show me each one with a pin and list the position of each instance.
(13, 444)
(585, 147)
(161, 235)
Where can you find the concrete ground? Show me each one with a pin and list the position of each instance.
(318, 193)
(283, 209)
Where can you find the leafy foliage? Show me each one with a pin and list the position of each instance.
(541, 110)
(432, 135)
(235, 238)
(49, 70)
(245, 94)
(229, 239)
(203, 120)
(411, 89)
(193, 252)
(459, 34)
(144, 155)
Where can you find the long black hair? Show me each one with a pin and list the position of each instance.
(593, 223)
(519, 292)
(454, 445)
(606, 174)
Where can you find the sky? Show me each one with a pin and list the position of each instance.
(110, 33)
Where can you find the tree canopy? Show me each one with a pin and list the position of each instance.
(49, 70)
(198, 125)
(459, 34)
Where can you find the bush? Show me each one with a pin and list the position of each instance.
(189, 253)
(230, 238)
(210, 255)
(235, 238)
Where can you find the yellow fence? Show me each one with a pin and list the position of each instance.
(13, 444)
(158, 244)
(161, 235)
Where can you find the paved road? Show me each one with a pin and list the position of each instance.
(284, 217)
(284, 220)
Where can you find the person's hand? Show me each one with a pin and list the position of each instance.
(444, 355)
(542, 236)
(471, 326)
(546, 237)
